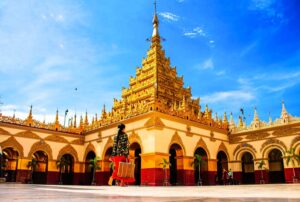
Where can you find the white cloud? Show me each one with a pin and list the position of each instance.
(208, 64)
(197, 31)
(169, 16)
(220, 73)
(229, 96)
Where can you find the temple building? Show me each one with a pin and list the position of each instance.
(163, 121)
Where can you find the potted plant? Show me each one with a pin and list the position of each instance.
(61, 164)
(32, 165)
(95, 166)
(198, 162)
(164, 164)
(261, 166)
(291, 156)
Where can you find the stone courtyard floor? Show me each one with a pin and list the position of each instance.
(241, 193)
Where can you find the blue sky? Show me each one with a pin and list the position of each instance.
(232, 53)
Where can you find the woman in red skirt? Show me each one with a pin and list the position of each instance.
(120, 154)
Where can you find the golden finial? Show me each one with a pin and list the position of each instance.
(75, 125)
(86, 122)
(56, 124)
(29, 118)
(225, 120)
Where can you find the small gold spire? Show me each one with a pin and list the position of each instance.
(86, 122)
(29, 118)
(75, 125)
(56, 124)
(225, 120)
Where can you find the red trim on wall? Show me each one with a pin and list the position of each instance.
(288, 173)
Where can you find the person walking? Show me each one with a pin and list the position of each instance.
(120, 154)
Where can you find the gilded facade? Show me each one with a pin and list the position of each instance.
(162, 121)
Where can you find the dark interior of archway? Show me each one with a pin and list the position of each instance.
(68, 170)
(39, 175)
(175, 149)
(222, 163)
(200, 151)
(88, 169)
(108, 154)
(10, 157)
(276, 170)
(248, 176)
(137, 161)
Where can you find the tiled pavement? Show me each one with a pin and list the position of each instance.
(242, 193)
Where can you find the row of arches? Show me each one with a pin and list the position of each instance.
(40, 173)
(275, 160)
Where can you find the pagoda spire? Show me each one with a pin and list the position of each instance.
(155, 22)
(29, 118)
(284, 114)
(75, 125)
(270, 119)
(56, 124)
(86, 121)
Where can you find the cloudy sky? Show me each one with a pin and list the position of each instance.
(233, 53)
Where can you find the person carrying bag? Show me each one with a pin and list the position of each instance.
(123, 168)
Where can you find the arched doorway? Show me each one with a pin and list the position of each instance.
(248, 176)
(68, 169)
(276, 170)
(88, 169)
(39, 175)
(203, 168)
(176, 161)
(10, 157)
(135, 151)
(108, 168)
(222, 163)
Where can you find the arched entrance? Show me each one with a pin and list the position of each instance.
(203, 168)
(68, 169)
(276, 170)
(88, 169)
(108, 168)
(39, 175)
(135, 150)
(248, 176)
(222, 163)
(176, 161)
(10, 157)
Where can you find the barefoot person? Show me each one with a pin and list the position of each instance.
(120, 153)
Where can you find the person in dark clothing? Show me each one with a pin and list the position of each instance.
(120, 153)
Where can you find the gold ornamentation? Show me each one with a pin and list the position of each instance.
(56, 138)
(154, 122)
(188, 131)
(223, 148)
(244, 146)
(272, 142)
(99, 136)
(13, 143)
(108, 145)
(134, 137)
(176, 139)
(28, 134)
(295, 141)
(4, 132)
(212, 136)
(235, 139)
(203, 145)
(41, 146)
(89, 148)
(68, 149)
(79, 141)
(257, 135)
